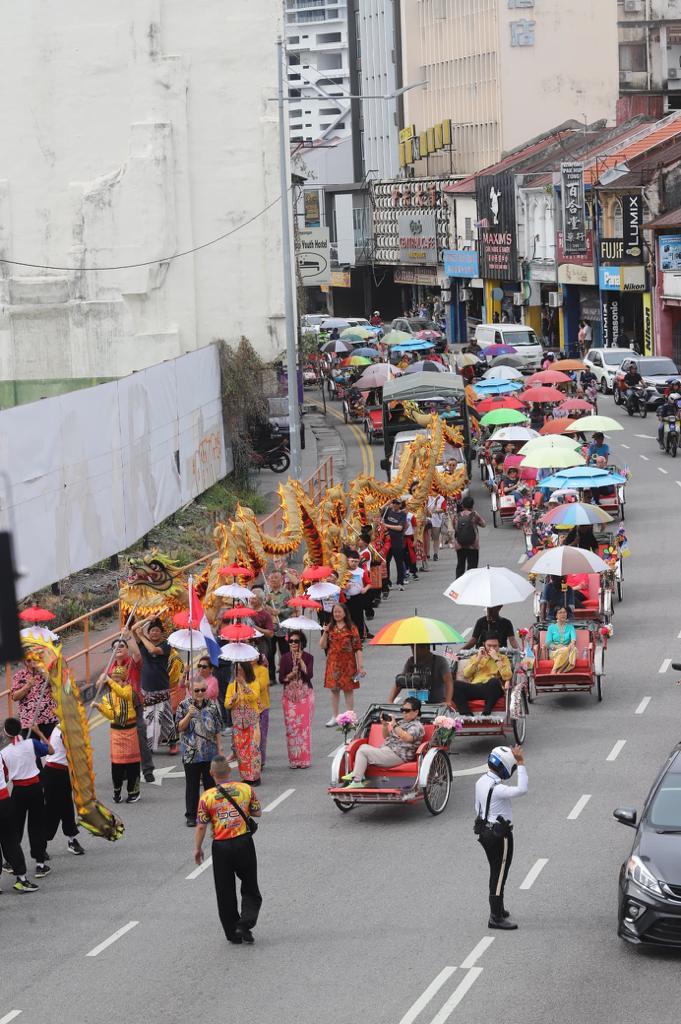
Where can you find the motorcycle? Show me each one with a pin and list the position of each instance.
(591, 395)
(275, 455)
(636, 402)
(670, 435)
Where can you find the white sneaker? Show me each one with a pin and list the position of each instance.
(331, 722)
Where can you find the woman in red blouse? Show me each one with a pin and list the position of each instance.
(344, 661)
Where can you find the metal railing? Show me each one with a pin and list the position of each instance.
(98, 645)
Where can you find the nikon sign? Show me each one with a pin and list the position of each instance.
(418, 241)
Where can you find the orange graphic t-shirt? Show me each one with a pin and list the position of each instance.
(225, 820)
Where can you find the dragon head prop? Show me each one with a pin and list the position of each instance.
(153, 587)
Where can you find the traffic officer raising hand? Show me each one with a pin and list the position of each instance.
(494, 824)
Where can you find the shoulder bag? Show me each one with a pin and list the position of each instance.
(251, 823)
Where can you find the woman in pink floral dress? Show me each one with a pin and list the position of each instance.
(297, 700)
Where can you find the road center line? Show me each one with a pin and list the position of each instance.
(477, 952)
(199, 871)
(646, 437)
(112, 938)
(425, 997)
(280, 799)
(12, 1015)
(457, 995)
(678, 483)
(533, 874)
(645, 458)
(664, 666)
(661, 470)
(579, 807)
(642, 706)
(625, 446)
(612, 756)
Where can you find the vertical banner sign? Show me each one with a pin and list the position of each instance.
(495, 201)
(632, 219)
(610, 316)
(647, 324)
(574, 221)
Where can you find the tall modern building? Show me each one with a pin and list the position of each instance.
(649, 35)
(376, 68)
(318, 70)
(504, 71)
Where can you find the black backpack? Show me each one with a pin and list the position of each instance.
(465, 530)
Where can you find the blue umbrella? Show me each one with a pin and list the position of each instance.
(412, 346)
(367, 351)
(583, 476)
(497, 387)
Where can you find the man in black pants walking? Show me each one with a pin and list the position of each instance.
(27, 792)
(59, 809)
(494, 824)
(229, 808)
(395, 521)
(199, 723)
(12, 855)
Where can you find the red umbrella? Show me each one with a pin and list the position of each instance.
(181, 619)
(489, 404)
(237, 632)
(556, 426)
(575, 405)
(36, 614)
(303, 602)
(541, 394)
(316, 572)
(237, 613)
(548, 377)
(513, 461)
(237, 570)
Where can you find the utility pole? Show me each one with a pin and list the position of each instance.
(289, 289)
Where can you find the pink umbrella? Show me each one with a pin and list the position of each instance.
(513, 461)
(376, 376)
(428, 335)
(574, 405)
(541, 394)
(548, 377)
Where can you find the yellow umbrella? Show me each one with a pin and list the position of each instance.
(547, 442)
(553, 458)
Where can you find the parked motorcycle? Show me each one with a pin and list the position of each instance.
(275, 454)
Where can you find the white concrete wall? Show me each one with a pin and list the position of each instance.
(570, 71)
(376, 25)
(131, 131)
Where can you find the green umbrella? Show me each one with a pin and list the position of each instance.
(499, 416)
(356, 334)
(395, 337)
(591, 423)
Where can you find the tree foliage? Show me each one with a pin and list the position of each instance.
(244, 406)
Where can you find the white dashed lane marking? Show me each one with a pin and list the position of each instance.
(614, 753)
(664, 666)
(579, 807)
(199, 871)
(112, 938)
(642, 706)
(534, 872)
(280, 799)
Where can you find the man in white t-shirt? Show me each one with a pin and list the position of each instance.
(19, 760)
(59, 809)
(435, 511)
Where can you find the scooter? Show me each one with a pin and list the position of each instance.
(636, 402)
(276, 456)
(670, 436)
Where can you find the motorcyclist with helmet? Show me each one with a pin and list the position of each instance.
(667, 409)
(494, 824)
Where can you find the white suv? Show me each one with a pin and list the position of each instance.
(604, 364)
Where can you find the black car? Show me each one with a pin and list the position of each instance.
(650, 878)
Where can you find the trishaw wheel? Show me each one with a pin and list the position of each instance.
(345, 413)
(438, 784)
(520, 725)
(531, 690)
(619, 590)
(494, 518)
(603, 386)
(599, 688)
(344, 805)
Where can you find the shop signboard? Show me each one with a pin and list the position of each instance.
(670, 252)
(610, 316)
(647, 324)
(311, 203)
(416, 275)
(614, 252)
(574, 213)
(571, 274)
(313, 257)
(461, 263)
(583, 259)
(622, 279)
(341, 279)
(632, 225)
(495, 198)
(417, 238)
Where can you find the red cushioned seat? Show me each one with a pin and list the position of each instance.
(543, 668)
(407, 768)
(479, 705)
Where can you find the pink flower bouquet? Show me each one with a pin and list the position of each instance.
(445, 726)
(346, 722)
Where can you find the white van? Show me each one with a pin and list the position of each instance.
(405, 437)
(519, 336)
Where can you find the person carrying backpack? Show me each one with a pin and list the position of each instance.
(466, 537)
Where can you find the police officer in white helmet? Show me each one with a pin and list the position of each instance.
(494, 824)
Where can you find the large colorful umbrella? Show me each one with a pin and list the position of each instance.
(488, 587)
(583, 477)
(574, 405)
(576, 513)
(501, 416)
(507, 360)
(549, 377)
(556, 426)
(500, 387)
(303, 602)
(356, 361)
(550, 442)
(569, 364)
(417, 629)
(506, 402)
(376, 376)
(490, 351)
(514, 433)
(553, 458)
(396, 337)
(563, 560)
(356, 334)
(539, 395)
(594, 423)
(367, 351)
(336, 346)
(413, 345)
(427, 366)
(236, 570)
(466, 359)
(502, 373)
(237, 613)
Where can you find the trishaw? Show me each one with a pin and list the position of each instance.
(588, 671)
(613, 503)
(504, 505)
(509, 715)
(373, 423)
(597, 590)
(610, 548)
(353, 405)
(428, 778)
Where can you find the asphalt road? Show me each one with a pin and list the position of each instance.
(380, 915)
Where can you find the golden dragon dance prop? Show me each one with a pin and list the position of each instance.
(153, 587)
(94, 816)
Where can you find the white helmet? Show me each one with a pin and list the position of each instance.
(675, 397)
(502, 762)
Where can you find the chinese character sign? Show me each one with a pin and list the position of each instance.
(522, 30)
(574, 221)
(495, 200)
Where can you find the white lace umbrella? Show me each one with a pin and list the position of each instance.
(239, 652)
(187, 640)
(488, 587)
(299, 622)
(234, 591)
(320, 591)
(42, 631)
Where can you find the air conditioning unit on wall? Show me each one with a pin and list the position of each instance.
(555, 300)
(633, 6)
(625, 77)
(674, 73)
